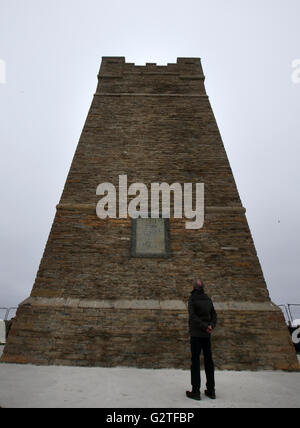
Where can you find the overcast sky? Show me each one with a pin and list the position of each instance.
(50, 54)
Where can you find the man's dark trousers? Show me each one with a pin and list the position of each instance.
(198, 344)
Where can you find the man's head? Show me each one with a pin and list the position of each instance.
(198, 284)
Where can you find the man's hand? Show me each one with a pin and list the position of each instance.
(209, 329)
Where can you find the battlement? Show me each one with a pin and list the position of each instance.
(133, 78)
(117, 65)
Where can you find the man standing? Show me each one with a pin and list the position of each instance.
(202, 321)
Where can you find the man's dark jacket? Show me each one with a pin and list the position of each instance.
(201, 314)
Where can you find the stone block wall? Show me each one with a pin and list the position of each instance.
(144, 334)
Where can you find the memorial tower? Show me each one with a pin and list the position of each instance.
(102, 297)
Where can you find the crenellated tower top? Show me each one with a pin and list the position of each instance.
(184, 76)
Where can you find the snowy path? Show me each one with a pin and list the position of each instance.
(54, 386)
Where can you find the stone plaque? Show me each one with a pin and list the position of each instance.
(150, 237)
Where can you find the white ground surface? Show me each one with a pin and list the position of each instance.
(31, 386)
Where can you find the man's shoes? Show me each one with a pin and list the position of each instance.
(193, 395)
(210, 394)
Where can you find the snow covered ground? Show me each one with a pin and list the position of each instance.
(56, 386)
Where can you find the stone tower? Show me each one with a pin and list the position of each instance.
(95, 302)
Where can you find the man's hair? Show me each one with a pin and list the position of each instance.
(196, 285)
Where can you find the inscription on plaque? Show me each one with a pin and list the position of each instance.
(150, 237)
